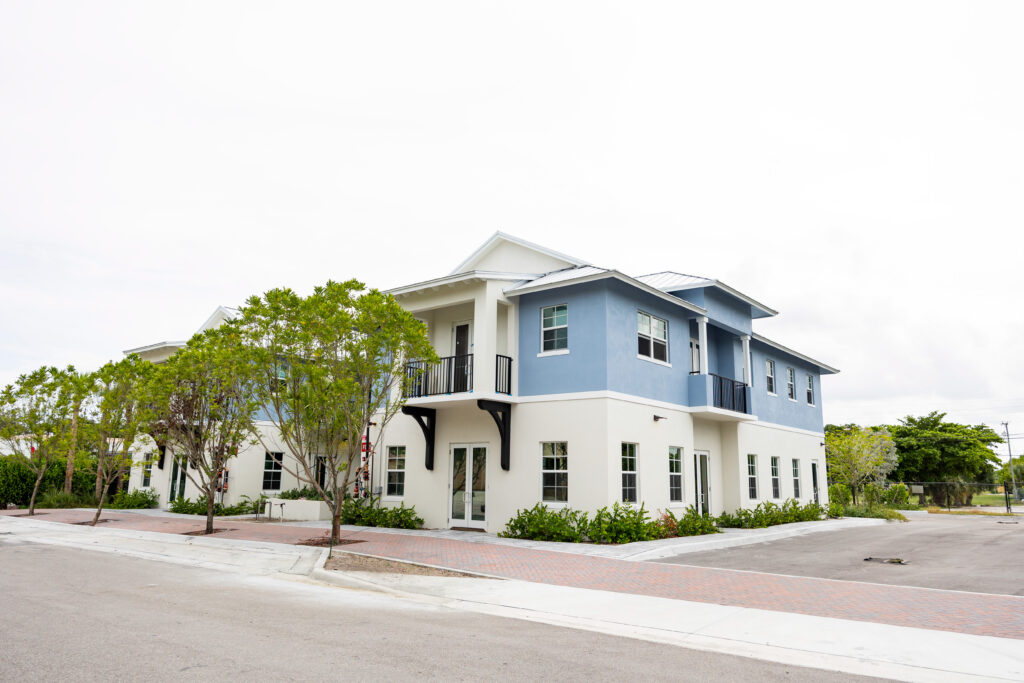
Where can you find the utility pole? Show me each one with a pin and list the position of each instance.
(1009, 450)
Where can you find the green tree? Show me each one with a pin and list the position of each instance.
(79, 387)
(325, 366)
(857, 455)
(122, 416)
(34, 421)
(204, 404)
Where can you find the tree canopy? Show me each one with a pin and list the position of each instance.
(930, 449)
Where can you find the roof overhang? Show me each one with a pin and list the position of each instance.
(753, 303)
(604, 275)
(826, 369)
(156, 347)
(449, 280)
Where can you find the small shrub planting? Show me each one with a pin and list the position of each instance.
(306, 492)
(369, 512)
(877, 511)
(53, 499)
(769, 514)
(840, 493)
(139, 499)
(186, 506)
(618, 524)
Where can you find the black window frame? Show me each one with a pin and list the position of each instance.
(675, 474)
(272, 470)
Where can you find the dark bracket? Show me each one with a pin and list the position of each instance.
(502, 414)
(427, 419)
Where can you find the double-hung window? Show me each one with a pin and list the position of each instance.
(810, 390)
(791, 383)
(629, 473)
(752, 476)
(554, 472)
(769, 368)
(796, 478)
(694, 356)
(147, 470)
(776, 487)
(554, 328)
(652, 337)
(396, 470)
(272, 471)
(675, 474)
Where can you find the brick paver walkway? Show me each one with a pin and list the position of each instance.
(973, 613)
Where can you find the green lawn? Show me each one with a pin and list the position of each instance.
(995, 499)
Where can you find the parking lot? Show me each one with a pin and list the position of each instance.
(969, 553)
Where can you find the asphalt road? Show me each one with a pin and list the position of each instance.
(69, 614)
(968, 553)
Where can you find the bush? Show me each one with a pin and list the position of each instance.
(840, 493)
(835, 509)
(897, 497)
(134, 500)
(185, 506)
(305, 492)
(53, 499)
(540, 523)
(692, 523)
(369, 512)
(17, 480)
(769, 514)
(876, 511)
(622, 524)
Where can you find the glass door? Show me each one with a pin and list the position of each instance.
(702, 480)
(469, 486)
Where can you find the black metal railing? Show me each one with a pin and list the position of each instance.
(450, 375)
(503, 375)
(729, 393)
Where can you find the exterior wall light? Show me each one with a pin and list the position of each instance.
(659, 417)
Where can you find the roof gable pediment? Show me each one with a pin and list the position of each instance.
(509, 254)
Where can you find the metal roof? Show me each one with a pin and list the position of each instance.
(668, 280)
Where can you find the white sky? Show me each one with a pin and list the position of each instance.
(857, 166)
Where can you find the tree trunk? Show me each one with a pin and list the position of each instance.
(35, 490)
(100, 458)
(99, 507)
(209, 511)
(69, 471)
(853, 492)
(336, 525)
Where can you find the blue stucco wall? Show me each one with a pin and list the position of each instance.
(779, 409)
(724, 309)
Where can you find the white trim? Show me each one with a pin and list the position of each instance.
(787, 428)
(554, 504)
(154, 347)
(653, 360)
(461, 277)
(629, 398)
(554, 327)
(224, 312)
(499, 236)
(711, 282)
(556, 352)
(603, 276)
(775, 345)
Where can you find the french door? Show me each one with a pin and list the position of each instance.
(702, 480)
(468, 502)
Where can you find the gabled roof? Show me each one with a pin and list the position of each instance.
(499, 238)
(825, 369)
(217, 317)
(579, 275)
(669, 281)
(459, 277)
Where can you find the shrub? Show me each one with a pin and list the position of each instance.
(769, 514)
(873, 494)
(835, 509)
(840, 493)
(185, 506)
(134, 500)
(897, 496)
(876, 511)
(17, 480)
(52, 499)
(369, 512)
(540, 523)
(692, 523)
(297, 494)
(621, 524)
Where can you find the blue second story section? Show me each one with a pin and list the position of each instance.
(685, 347)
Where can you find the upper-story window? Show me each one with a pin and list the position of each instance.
(554, 328)
(791, 383)
(694, 355)
(652, 337)
(769, 366)
(810, 390)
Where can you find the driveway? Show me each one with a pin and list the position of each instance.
(953, 552)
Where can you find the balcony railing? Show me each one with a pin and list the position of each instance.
(729, 393)
(450, 375)
(503, 375)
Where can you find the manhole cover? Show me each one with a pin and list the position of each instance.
(1004, 522)
(886, 560)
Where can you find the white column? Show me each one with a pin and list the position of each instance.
(702, 339)
(745, 339)
(485, 332)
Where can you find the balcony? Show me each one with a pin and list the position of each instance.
(728, 393)
(712, 394)
(453, 375)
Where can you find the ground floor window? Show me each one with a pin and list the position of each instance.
(555, 472)
(752, 476)
(796, 478)
(675, 474)
(629, 473)
(776, 492)
(147, 470)
(272, 471)
(396, 470)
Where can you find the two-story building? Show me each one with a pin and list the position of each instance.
(565, 383)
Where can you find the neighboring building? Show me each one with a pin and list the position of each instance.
(573, 385)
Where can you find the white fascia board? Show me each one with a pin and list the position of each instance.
(828, 369)
(611, 274)
(728, 290)
(226, 312)
(462, 277)
(156, 347)
(501, 236)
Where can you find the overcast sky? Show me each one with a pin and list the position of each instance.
(858, 166)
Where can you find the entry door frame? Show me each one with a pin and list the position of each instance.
(469, 336)
(468, 521)
(702, 484)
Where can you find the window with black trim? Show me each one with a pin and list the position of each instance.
(147, 470)
(675, 474)
(791, 383)
(651, 337)
(272, 471)
(796, 478)
(810, 390)
(554, 472)
(776, 487)
(554, 328)
(752, 476)
(629, 493)
(769, 369)
(396, 470)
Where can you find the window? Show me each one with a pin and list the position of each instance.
(770, 375)
(396, 470)
(810, 390)
(796, 478)
(272, 472)
(652, 337)
(554, 328)
(554, 472)
(629, 473)
(694, 356)
(791, 383)
(675, 474)
(752, 476)
(147, 470)
(776, 488)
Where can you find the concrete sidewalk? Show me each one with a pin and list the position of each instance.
(862, 647)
